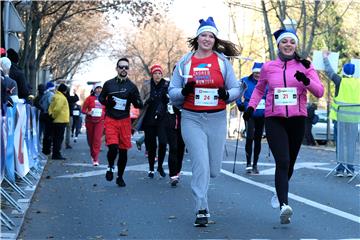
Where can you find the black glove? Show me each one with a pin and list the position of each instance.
(110, 101)
(241, 107)
(248, 113)
(300, 76)
(189, 88)
(136, 101)
(223, 94)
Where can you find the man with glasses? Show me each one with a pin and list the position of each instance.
(117, 95)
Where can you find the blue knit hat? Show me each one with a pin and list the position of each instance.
(349, 69)
(257, 67)
(283, 33)
(207, 26)
(50, 86)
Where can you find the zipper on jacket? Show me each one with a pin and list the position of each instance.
(284, 77)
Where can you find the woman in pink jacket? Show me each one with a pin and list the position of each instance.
(288, 79)
(94, 122)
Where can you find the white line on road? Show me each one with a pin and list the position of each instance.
(295, 197)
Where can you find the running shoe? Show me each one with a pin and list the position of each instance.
(248, 168)
(285, 214)
(174, 181)
(339, 173)
(109, 174)
(161, 172)
(202, 218)
(96, 163)
(349, 173)
(255, 170)
(151, 174)
(275, 201)
(120, 182)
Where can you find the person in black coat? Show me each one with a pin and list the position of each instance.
(17, 73)
(154, 94)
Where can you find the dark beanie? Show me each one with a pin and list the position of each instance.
(62, 88)
(12, 55)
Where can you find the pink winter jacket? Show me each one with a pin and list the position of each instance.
(279, 74)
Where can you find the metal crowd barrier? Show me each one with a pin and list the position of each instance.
(21, 161)
(348, 138)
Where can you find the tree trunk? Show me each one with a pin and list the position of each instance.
(268, 31)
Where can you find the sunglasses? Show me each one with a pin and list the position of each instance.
(123, 67)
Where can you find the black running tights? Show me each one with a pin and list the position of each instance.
(122, 160)
(284, 136)
(254, 131)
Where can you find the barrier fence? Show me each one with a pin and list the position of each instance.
(20, 157)
(348, 138)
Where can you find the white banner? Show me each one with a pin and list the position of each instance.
(356, 62)
(21, 153)
(318, 60)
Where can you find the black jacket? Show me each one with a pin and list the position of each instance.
(71, 101)
(113, 90)
(18, 75)
(157, 103)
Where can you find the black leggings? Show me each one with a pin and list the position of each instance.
(152, 134)
(122, 160)
(284, 136)
(176, 150)
(254, 131)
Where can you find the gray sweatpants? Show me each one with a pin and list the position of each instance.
(204, 135)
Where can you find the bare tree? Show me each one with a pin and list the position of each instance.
(39, 35)
(159, 42)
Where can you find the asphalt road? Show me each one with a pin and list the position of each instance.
(74, 201)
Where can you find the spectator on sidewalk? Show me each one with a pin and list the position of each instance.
(48, 121)
(117, 95)
(59, 113)
(255, 125)
(154, 93)
(94, 122)
(9, 89)
(347, 91)
(203, 83)
(71, 101)
(17, 73)
(287, 78)
(41, 91)
(10, 84)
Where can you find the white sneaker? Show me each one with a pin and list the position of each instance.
(285, 214)
(275, 201)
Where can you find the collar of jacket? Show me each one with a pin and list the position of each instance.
(120, 80)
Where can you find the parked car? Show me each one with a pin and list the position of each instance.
(319, 130)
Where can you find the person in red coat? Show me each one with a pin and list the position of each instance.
(94, 122)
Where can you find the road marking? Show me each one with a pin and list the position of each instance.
(271, 171)
(295, 197)
(139, 167)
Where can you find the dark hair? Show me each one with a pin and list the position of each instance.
(226, 47)
(41, 88)
(62, 88)
(12, 55)
(122, 59)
